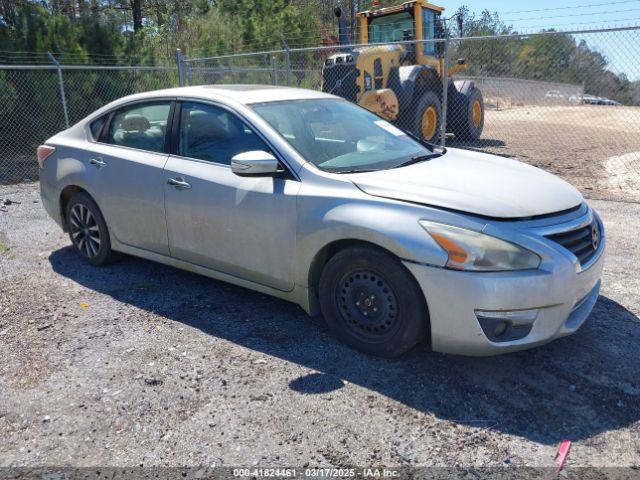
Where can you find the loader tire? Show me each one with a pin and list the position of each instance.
(428, 118)
(466, 119)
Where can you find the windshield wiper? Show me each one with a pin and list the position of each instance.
(419, 158)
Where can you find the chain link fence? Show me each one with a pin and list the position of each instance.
(38, 101)
(568, 102)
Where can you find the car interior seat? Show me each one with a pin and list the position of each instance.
(135, 131)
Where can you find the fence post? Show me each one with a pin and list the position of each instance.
(231, 72)
(63, 96)
(180, 63)
(187, 71)
(274, 67)
(445, 91)
(287, 60)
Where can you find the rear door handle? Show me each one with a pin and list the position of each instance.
(179, 183)
(97, 162)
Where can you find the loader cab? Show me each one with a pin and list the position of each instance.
(413, 20)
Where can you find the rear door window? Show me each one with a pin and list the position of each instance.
(142, 126)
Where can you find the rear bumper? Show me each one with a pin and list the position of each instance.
(563, 297)
(50, 197)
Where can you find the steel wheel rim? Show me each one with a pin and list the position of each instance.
(476, 114)
(84, 230)
(367, 304)
(429, 120)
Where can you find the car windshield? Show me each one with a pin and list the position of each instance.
(338, 136)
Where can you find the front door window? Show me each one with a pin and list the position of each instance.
(213, 134)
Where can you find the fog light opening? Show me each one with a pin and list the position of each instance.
(506, 325)
(500, 329)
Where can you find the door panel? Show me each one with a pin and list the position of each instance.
(127, 169)
(242, 226)
(130, 193)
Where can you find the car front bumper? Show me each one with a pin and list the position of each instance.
(562, 297)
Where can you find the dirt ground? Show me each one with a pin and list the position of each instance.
(142, 364)
(595, 147)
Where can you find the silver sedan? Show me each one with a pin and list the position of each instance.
(304, 196)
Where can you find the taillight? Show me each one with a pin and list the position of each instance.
(44, 151)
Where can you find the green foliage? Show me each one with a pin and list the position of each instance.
(8, 96)
(104, 32)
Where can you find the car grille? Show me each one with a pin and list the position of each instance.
(582, 242)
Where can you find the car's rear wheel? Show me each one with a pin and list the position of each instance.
(372, 303)
(88, 231)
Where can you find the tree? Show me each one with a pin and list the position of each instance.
(136, 9)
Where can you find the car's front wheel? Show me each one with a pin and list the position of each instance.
(88, 230)
(371, 302)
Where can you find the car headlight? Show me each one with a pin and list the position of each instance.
(469, 250)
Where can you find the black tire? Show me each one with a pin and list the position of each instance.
(429, 100)
(88, 231)
(461, 122)
(395, 318)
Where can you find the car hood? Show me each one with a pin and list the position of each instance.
(473, 182)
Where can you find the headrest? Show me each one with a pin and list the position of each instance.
(135, 122)
(209, 125)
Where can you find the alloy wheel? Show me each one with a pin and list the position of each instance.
(85, 232)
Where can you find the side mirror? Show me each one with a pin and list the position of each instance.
(256, 163)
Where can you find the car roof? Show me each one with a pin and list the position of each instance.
(245, 94)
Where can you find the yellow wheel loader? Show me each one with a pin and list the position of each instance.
(403, 83)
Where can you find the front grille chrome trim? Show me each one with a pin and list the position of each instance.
(598, 253)
(564, 227)
(576, 241)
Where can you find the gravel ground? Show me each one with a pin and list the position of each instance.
(143, 364)
(596, 148)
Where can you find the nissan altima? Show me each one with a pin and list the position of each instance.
(307, 197)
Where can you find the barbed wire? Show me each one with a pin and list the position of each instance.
(586, 14)
(586, 5)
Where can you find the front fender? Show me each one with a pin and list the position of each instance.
(464, 86)
(414, 80)
(390, 225)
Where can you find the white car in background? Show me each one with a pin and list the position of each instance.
(554, 94)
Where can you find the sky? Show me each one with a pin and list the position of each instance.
(620, 48)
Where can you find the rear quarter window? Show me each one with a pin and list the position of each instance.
(96, 127)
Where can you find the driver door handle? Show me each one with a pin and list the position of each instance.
(179, 183)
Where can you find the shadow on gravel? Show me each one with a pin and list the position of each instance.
(574, 388)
